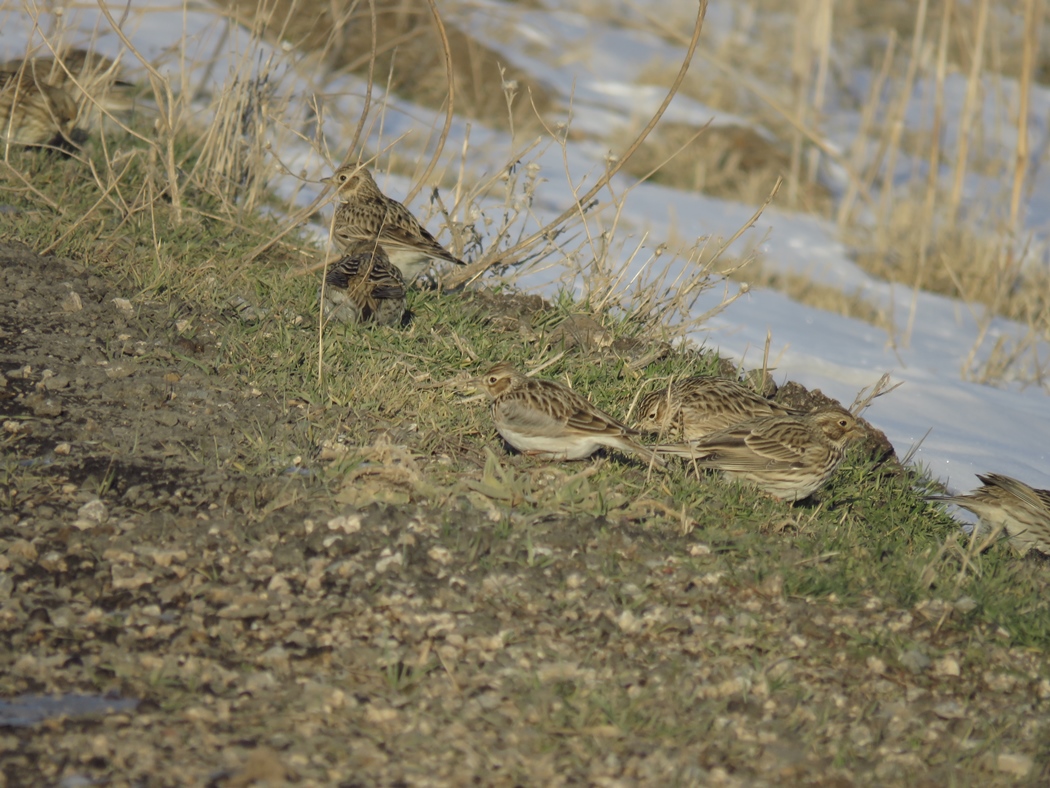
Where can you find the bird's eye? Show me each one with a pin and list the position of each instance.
(843, 423)
(493, 379)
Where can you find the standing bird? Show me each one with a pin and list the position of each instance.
(788, 457)
(33, 112)
(1006, 504)
(696, 407)
(364, 287)
(366, 214)
(81, 74)
(545, 419)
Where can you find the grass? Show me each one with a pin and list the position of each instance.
(421, 375)
(617, 622)
(870, 535)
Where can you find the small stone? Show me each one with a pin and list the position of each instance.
(91, 514)
(166, 417)
(1014, 763)
(124, 306)
(55, 383)
(947, 666)
(129, 577)
(914, 661)
(63, 449)
(119, 371)
(20, 548)
(965, 604)
(950, 710)
(71, 303)
(43, 407)
(350, 524)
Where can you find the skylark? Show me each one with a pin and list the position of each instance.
(545, 419)
(1003, 503)
(366, 213)
(695, 407)
(98, 76)
(364, 287)
(788, 457)
(33, 112)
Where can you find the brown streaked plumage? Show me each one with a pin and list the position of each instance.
(695, 407)
(543, 418)
(98, 76)
(33, 112)
(364, 287)
(366, 213)
(788, 457)
(1006, 504)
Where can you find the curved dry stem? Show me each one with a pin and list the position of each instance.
(818, 140)
(471, 272)
(368, 88)
(446, 50)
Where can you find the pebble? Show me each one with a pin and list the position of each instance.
(92, 513)
(124, 306)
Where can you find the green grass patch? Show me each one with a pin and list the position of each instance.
(868, 535)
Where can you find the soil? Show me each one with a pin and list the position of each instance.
(192, 619)
(264, 629)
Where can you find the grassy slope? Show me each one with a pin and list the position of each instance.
(676, 609)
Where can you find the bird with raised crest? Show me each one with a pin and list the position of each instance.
(366, 213)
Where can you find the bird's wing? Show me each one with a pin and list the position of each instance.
(1036, 500)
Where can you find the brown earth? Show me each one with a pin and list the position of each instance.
(272, 628)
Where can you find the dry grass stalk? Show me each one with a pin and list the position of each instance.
(969, 110)
(515, 253)
(1032, 21)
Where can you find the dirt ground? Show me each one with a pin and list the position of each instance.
(265, 629)
(269, 628)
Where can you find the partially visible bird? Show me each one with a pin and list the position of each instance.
(546, 419)
(695, 407)
(98, 76)
(1003, 503)
(788, 457)
(364, 287)
(33, 112)
(366, 213)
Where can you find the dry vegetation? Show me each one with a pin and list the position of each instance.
(301, 549)
(914, 228)
(408, 56)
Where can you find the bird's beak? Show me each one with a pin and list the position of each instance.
(326, 180)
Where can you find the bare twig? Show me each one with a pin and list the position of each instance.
(471, 272)
(446, 51)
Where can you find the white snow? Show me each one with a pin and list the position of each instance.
(964, 427)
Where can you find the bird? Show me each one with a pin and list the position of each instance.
(546, 419)
(695, 407)
(1003, 503)
(363, 286)
(34, 113)
(786, 456)
(366, 213)
(92, 80)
